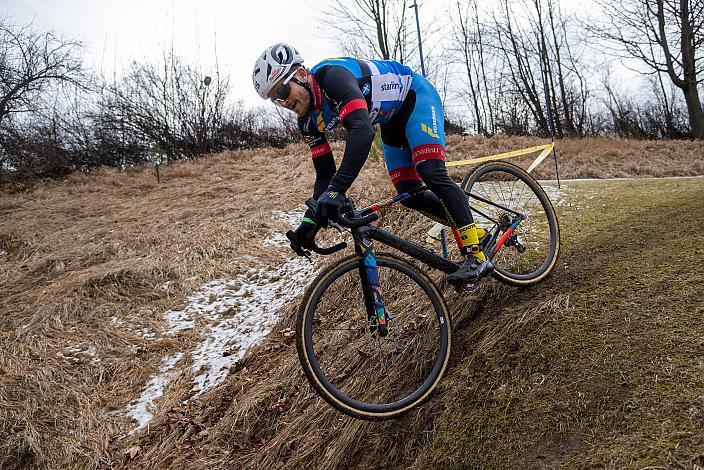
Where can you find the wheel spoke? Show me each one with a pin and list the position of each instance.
(514, 189)
(357, 367)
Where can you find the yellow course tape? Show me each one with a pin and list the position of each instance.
(546, 149)
(434, 232)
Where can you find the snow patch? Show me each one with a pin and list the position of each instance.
(558, 196)
(79, 354)
(145, 333)
(278, 239)
(139, 409)
(233, 314)
(293, 218)
(236, 314)
(254, 312)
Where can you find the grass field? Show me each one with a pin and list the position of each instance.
(600, 366)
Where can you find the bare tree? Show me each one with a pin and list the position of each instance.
(470, 39)
(174, 107)
(31, 62)
(373, 28)
(667, 36)
(519, 49)
(52, 124)
(529, 50)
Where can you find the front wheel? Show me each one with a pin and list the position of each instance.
(528, 253)
(348, 362)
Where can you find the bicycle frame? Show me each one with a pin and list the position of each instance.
(364, 247)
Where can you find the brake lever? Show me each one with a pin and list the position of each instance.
(312, 204)
(336, 226)
(305, 253)
(296, 247)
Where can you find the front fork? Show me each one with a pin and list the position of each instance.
(373, 300)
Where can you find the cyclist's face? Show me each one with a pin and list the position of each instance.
(298, 99)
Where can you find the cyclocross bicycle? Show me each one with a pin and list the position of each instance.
(373, 331)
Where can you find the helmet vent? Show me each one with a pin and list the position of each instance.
(279, 60)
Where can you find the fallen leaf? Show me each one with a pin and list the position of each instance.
(133, 451)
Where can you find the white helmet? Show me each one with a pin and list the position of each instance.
(273, 65)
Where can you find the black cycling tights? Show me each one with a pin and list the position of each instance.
(443, 197)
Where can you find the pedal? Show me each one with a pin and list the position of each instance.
(462, 287)
(466, 288)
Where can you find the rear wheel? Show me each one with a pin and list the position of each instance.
(530, 252)
(348, 363)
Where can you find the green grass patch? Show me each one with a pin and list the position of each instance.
(603, 364)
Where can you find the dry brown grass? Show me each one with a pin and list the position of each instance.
(76, 253)
(594, 157)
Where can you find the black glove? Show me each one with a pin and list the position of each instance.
(329, 204)
(305, 233)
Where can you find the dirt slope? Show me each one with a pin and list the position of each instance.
(602, 365)
(599, 366)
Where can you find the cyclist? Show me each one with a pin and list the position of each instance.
(359, 94)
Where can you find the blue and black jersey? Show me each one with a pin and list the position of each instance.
(383, 86)
(358, 94)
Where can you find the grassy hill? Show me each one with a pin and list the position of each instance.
(600, 366)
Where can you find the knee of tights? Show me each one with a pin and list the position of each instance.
(411, 202)
(408, 203)
(434, 176)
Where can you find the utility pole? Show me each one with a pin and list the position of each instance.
(420, 42)
(443, 238)
(551, 123)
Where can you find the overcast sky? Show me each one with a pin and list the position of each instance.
(116, 32)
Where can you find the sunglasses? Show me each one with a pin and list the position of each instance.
(281, 93)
